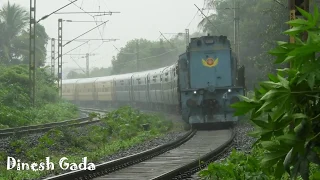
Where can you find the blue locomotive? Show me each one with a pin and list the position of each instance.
(200, 86)
(209, 81)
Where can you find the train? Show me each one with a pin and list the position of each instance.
(200, 86)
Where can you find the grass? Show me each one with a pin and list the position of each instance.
(119, 130)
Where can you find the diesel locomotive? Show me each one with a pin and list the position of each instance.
(200, 85)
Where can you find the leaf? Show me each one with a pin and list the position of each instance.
(289, 139)
(289, 58)
(303, 77)
(307, 49)
(287, 161)
(270, 94)
(304, 169)
(270, 85)
(304, 13)
(242, 107)
(281, 43)
(311, 80)
(266, 135)
(262, 124)
(273, 78)
(313, 157)
(255, 134)
(297, 22)
(299, 116)
(278, 50)
(280, 59)
(279, 170)
(273, 146)
(268, 105)
(246, 99)
(284, 82)
(316, 175)
(295, 169)
(271, 159)
(295, 30)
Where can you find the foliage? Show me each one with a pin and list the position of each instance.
(290, 101)
(238, 166)
(242, 166)
(119, 130)
(15, 107)
(151, 54)
(261, 23)
(14, 37)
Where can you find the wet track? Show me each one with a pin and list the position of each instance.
(199, 145)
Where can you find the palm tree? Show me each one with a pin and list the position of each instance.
(13, 20)
(14, 37)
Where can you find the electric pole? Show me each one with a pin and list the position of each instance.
(137, 49)
(32, 52)
(187, 37)
(236, 18)
(87, 65)
(60, 56)
(53, 56)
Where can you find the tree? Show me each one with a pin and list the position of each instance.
(261, 23)
(96, 72)
(285, 109)
(152, 54)
(14, 37)
(14, 19)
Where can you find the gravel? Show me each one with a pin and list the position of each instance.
(33, 139)
(242, 142)
(172, 136)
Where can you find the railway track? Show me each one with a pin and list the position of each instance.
(23, 130)
(175, 160)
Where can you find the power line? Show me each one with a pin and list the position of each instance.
(77, 64)
(208, 19)
(80, 40)
(129, 53)
(84, 33)
(150, 57)
(192, 19)
(54, 12)
(80, 21)
(74, 48)
(94, 12)
(91, 16)
(166, 39)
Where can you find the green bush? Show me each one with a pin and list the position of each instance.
(15, 107)
(119, 130)
(285, 109)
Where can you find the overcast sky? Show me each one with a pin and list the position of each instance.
(137, 19)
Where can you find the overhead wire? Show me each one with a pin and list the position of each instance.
(78, 65)
(140, 50)
(91, 16)
(149, 57)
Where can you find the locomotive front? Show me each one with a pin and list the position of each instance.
(209, 82)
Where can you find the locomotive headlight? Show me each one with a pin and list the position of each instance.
(229, 90)
(194, 92)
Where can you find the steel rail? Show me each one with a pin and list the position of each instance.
(23, 130)
(121, 163)
(112, 168)
(188, 169)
